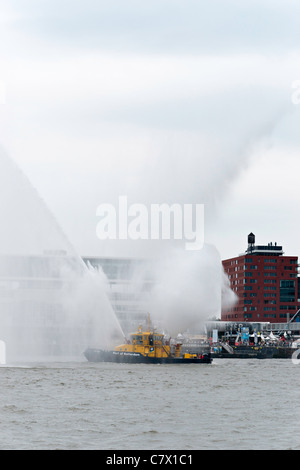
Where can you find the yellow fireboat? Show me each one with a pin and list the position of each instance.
(148, 347)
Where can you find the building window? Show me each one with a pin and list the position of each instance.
(287, 291)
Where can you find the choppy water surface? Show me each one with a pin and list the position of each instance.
(231, 404)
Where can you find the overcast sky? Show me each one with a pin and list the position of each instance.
(163, 101)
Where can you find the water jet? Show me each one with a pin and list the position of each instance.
(51, 305)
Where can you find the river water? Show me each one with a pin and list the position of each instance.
(230, 404)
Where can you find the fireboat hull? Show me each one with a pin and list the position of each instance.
(99, 355)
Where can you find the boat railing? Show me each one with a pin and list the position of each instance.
(166, 350)
(227, 347)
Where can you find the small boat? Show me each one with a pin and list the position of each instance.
(147, 347)
(254, 352)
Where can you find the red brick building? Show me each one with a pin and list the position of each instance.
(266, 284)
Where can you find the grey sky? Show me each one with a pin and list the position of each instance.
(165, 101)
(164, 26)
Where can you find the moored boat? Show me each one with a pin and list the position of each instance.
(254, 352)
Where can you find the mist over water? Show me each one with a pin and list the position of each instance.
(51, 304)
(188, 289)
(191, 285)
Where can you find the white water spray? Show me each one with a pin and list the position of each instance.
(2, 353)
(51, 305)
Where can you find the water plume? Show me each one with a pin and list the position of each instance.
(189, 290)
(192, 286)
(51, 305)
